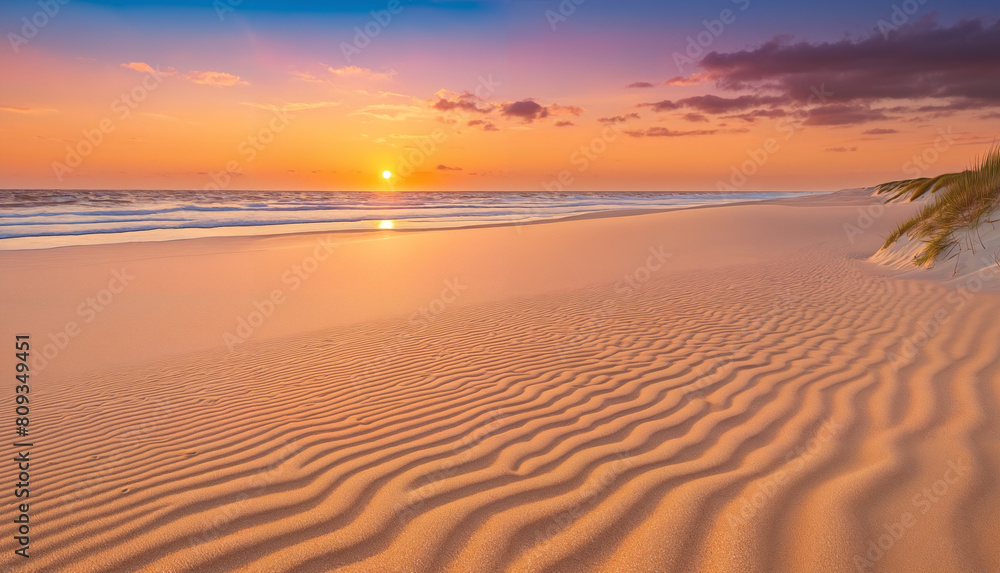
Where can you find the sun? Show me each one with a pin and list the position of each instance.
(387, 174)
(385, 225)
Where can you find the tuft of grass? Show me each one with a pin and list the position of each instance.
(916, 188)
(962, 201)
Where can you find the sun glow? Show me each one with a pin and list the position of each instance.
(385, 224)
(386, 174)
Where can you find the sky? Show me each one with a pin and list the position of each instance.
(522, 95)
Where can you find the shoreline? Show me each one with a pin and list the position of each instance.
(596, 214)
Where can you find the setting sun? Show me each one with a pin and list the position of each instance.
(385, 224)
(386, 174)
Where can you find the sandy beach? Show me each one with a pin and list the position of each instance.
(732, 388)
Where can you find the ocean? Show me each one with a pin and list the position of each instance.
(32, 219)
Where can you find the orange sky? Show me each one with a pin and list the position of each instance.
(252, 108)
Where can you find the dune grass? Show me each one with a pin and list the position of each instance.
(962, 202)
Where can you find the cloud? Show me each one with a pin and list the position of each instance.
(714, 104)
(407, 136)
(841, 149)
(487, 126)
(445, 100)
(446, 168)
(693, 80)
(528, 110)
(717, 105)
(640, 85)
(294, 106)
(140, 67)
(619, 118)
(218, 79)
(665, 105)
(390, 111)
(564, 123)
(957, 64)
(753, 116)
(880, 131)
(843, 114)
(307, 77)
(664, 132)
(565, 110)
(26, 110)
(361, 73)
(208, 78)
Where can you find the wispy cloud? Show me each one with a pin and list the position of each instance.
(692, 80)
(664, 132)
(618, 118)
(25, 110)
(361, 73)
(218, 79)
(390, 112)
(293, 106)
(486, 125)
(140, 67)
(207, 78)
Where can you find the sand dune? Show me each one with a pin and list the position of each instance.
(775, 405)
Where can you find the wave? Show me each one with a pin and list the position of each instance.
(38, 214)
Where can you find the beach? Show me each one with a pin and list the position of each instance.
(724, 388)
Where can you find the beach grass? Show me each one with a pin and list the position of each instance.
(961, 202)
